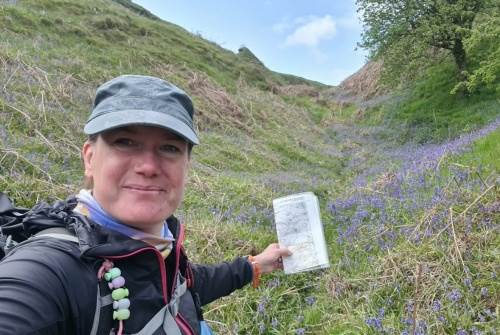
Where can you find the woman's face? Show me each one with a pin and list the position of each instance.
(139, 174)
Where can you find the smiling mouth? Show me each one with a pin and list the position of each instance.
(140, 188)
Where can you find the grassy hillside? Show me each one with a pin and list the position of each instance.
(430, 113)
(412, 228)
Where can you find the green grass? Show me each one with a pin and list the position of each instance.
(317, 112)
(484, 154)
(430, 113)
(256, 146)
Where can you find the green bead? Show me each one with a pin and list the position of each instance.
(121, 314)
(119, 293)
(112, 274)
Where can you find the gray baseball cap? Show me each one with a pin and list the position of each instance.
(142, 100)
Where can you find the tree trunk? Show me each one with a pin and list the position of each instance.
(458, 52)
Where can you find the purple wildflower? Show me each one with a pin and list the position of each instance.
(262, 327)
(484, 292)
(300, 331)
(407, 321)
(261, 308)
(436, 306)
(409, 306)
(310, 300)
(462, 332)
(275, 282)
(274, 323)
(374, 322)
(475, 331)
(421, 328)
(331, 208)
(454, 295)
(468, 283)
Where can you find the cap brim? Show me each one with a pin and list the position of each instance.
(140, 117)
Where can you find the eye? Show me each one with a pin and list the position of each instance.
(125, 143)
(169, 149)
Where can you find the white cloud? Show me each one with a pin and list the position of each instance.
(312, 32)
(281, 27)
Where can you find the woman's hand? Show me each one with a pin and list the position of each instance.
(272, 258)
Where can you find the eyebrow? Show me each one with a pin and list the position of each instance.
(169, 135)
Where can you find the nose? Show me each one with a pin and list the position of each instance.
(147, 163)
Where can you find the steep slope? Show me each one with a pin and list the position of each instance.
(412, 230)
(53, 54)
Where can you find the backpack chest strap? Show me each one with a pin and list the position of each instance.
(165, 317)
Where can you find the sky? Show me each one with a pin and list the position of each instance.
(313, 39)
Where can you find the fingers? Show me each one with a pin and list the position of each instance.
(272, 257)
(285, 252)
(279, 264)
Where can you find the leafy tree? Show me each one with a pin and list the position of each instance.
(483, 48)
(408, 33)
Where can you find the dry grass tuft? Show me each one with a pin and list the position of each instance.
(296, 90)
(215, 106)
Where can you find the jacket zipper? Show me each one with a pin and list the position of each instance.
(178, 247)
(181, 322)
(160, 259)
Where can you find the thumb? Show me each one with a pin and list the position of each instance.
(284, 251)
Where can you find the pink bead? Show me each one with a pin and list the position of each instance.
(117, 282)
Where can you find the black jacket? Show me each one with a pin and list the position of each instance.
(49, 286)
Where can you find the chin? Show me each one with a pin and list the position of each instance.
(143, 222)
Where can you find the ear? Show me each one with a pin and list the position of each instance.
(87, 155)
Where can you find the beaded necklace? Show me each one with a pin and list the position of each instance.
(119, 293)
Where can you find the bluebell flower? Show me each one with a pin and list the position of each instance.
(262, 327)
(468, 282)
(300, 331)
(421, 328)
(475, 331)
(409, 306)
(454, 295)
(275, 282)
(407, 321)
(436, 306)
(374, 322)
(261, 308)
(274, 323)
(310, 300)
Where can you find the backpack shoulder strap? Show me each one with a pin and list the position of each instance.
(165, 317)
(59, 233)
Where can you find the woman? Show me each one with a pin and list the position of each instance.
(119, 265)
